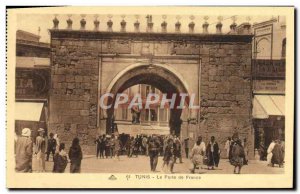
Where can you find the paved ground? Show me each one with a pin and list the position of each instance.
(141, 165)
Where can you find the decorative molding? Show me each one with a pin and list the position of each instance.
(185, 48)
(116, 46)
(144, 36)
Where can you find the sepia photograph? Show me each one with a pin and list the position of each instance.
(150, 97)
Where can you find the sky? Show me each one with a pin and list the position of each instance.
(32, 22)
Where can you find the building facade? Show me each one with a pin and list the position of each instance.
(269, 48)
(32, 82)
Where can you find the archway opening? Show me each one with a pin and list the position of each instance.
(153, 75)
(164, 80)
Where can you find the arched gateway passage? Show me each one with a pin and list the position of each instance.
(163, 77)
(86, 64)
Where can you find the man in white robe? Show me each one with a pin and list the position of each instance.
(269, 152)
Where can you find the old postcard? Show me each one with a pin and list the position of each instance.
(150, 97)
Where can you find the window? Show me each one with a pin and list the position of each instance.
(146, 114)
(283, 51)
(150, 115)
(153, 115)
(124, 113)
(163, 115)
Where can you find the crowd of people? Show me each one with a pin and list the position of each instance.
(275, 153)
(26, 149)
(272, 152)
(170, 147)
(109, 146)
(210, 155)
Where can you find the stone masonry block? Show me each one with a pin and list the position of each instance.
(78, 78)
(84, 112)
(70, 78)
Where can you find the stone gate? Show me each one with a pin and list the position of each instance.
(215, 67)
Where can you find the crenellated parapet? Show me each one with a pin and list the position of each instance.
(149, 25)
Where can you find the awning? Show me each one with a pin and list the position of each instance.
(28, 111)
(268, 105)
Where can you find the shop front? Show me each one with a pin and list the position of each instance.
(268, 121)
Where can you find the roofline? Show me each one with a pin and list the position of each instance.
(264, 22)
(29, 33)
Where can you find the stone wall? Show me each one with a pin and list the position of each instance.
(74, 89)
(225, 80)
(226, 92)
